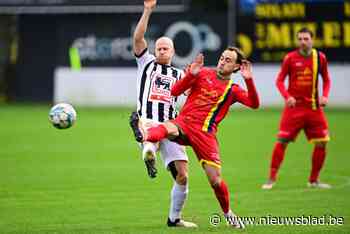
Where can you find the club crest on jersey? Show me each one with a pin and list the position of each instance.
(209, 80)
(160, 88)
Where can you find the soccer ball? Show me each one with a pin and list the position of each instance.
(62, 116)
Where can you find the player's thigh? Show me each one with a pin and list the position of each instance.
(316, 127)
(292, 121)
(206, 148)
(213, 173)
(171, 151)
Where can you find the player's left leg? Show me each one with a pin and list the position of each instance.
(179, 195)
(318, 158)
(175, 159)
(222, 194)
(316, 131)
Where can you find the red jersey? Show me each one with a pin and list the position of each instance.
(211, 97)
(303, 75)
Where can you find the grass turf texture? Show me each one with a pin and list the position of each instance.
(90, 178)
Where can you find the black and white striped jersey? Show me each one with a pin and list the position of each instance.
(154, 82)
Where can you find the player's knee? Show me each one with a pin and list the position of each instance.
(283, 141)
(172, 129)
(182, 178)
(215, 182)
(321, 144)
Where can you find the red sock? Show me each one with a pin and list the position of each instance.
(277, 158)
(158, 133)
(318, 158)
(223, 196)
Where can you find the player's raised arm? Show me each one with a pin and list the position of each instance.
(186, 83)
(139, 41)
(249, 98)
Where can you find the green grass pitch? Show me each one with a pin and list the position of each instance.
(91, 179)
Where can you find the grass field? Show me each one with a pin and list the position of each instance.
(90, 179)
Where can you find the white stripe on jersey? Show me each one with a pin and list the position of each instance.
(154, 82)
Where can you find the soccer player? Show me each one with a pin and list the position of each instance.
(303, 107)
(212, 94)
(156, 104)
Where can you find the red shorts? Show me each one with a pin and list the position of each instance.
(204, 144)
(313, 122)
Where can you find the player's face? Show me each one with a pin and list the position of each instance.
(164, 51)
(227, 62)
(305, 41)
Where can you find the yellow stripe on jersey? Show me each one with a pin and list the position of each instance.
(314, 78)
(210, 115)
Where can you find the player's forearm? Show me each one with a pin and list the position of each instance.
(253, 98)
(182, 85)
(141, 27)
(326, 86)
(282, 89)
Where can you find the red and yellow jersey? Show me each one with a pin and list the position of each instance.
(210, 98)
(303, 73)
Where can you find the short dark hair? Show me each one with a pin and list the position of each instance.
(240, 54)
(306, 30)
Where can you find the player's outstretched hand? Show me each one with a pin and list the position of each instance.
(323, 101)
(197, 64)
(246, 69)
(150, 4)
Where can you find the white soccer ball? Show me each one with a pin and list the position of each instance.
(62, 115)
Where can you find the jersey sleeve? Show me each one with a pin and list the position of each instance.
(281, 77)
(248, 98)
(184, 84)
(325, 75)
(144, 58)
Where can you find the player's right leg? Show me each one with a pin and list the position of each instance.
(149, 150)
(276, 161)
(290, 125)
(155, 133)
(134, 121)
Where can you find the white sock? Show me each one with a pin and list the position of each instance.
(178, 198)
(148, 147)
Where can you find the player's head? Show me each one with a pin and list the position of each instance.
(230, 61)
(164, 50)
(305, 39)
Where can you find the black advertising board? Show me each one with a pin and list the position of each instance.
(106, 40)
(267, 30)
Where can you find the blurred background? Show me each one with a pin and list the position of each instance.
(81, 51)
